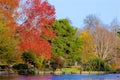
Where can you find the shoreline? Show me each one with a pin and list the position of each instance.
(2, 73)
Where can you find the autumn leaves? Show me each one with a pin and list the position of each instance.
(33, 32)
(33, 28)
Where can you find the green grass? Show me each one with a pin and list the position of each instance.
(69, 70)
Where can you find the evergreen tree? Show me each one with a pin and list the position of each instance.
(66, 44)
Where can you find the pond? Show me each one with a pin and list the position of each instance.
(64, 77)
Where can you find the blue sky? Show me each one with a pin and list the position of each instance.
(77, 10)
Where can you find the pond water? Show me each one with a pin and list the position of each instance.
(64, 77)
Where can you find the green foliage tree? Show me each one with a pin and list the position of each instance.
(8, 49)
(66, 43)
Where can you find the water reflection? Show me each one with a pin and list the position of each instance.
(88, 77)
(63, 77)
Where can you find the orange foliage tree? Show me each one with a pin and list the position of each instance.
(7, 9)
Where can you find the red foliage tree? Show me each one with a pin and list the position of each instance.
(31, 41)
(36, 27)
(39, 15)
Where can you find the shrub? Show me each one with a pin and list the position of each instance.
(23, 69)
(29, 57)
(31, 72)
(3, 67)
(57, 62)
(96, 64)
(26, 72)
(22, 72)
(20, 66)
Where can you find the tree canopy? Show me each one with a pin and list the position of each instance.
(66, 42)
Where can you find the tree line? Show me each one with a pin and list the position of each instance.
(32, 37)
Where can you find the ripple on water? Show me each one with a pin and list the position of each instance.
(63, 77)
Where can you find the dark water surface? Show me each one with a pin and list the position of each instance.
(64, 77)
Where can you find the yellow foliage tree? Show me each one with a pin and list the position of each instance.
(88, 47)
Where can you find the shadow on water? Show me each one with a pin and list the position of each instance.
(63, 77)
